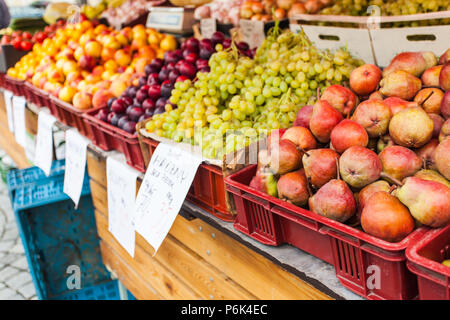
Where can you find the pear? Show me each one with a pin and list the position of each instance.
(368, 191)
(445, 130)
(284, 157)
(428, 201)
(399, 162)
(414, 63)
(334, 200)
(264, 181)
(432, 175)
(348, 133)
(293, 187)
(430, 99)
(374, 116)
(320, 166)
(438, 122)
(301, 137)
(384, 142)
(400, 84)
(359, 166)
(340, 98)
(385, 217)
(442, 157)
(426, 153)
(411, 127)
(323, 119)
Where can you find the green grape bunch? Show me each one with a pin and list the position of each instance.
(240, 98)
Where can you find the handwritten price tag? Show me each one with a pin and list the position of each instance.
(9, 112)
(163, 190)
(44, 142)
(19, 120)
(121, 181)
(208, 27)
(76, 146)
(252, 32)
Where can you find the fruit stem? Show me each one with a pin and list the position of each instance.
(428, 97)
(394, 180)
(303, 150)
(308, 186)
(318, 93)
(337, 168)
(392, 188)
(424, 163)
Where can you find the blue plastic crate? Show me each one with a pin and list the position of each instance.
(103, 291)
(19, 177)
(55, 236)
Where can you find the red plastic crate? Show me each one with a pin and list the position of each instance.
(2, 80)
(272, 221)
(16, 86)
(208, 188)
(424, 259)
(108, 137)
(38, 98)
(69, 115)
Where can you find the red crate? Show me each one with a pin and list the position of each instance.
(273, 221)
(208, 188)
(69, 115)
(2, 80)
(424, 259)
(16, 86)
(108, 137)
(31, 94)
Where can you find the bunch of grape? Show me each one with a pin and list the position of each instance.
(391, 8)
(240, 98)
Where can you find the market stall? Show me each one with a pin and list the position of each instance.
(265, 151)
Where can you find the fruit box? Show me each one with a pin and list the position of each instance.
(9, 56)
(368, 38)
(69, 115)
(368, 266)
(16, 86)
(108, 137)
(424, 260)
(208, 188)
(37, 96)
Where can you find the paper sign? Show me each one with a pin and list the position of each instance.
(121, 202)
(19, 120)
(44, 142)
(252, 32)
(8, 102)
(76, 146)
(166, 183)
(208, 27)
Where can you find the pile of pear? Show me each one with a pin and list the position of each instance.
(374, 155)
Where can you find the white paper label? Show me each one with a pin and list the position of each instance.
(121, 180)
(19, 120)
(208, 27)
(76, 146)
(163, 190)
(252, 32)
(44, 142)
(8, 102)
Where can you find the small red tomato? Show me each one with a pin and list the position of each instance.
(27, 35)
(26, 45)
(16, 43)
(6, 39)
(16, 33)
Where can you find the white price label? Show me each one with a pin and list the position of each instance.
(76, 146)
(252, 32)
(208, 27)
(121, 180)
(163, 190)
(9, 112)
(19, 120)
(44, 141)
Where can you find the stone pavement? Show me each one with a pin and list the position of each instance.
(15, 278)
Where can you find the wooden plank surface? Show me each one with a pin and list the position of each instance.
(126, 275)
(8, 142)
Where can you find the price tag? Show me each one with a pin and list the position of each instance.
(9, 112)
(19, 119)
(208, 27)
(163, 190)
(252, 32)
(121, 181)
(44, 142)
(76, 146)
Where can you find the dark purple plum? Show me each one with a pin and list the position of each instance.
(173, 75)
(154, 92)
(192, 44)
(159, 110)
(128, 101)
(161, 103)
(110, 102)
(130, 127)
(148, 104)
(242, 46)
(102, 115)
(226, 43)
(217, 37)
(163, 75)
(206, 53)
(115, 118)
(142, 81)
(142, 118)
(122, 121)
(135, 114)
(149, 112)
(201, 63)
(141, 95)
(118, 106)
(166, 90)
